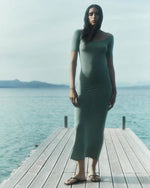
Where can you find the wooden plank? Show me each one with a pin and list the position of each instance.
(129, 152)
(138, 168)
(124, 162)
(105, 173)
(55, 175)
(141, 152)
(22, 170)
(60, 172)
(117, 173)
(71, 165)
(35, 169)
(130, 176)
(49, 164)
(141, 145)
(65, 176)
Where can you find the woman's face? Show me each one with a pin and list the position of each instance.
(93, 16)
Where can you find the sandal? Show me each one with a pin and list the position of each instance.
(77, 180)
(93, 178)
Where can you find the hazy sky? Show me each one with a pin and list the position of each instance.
(35, 38)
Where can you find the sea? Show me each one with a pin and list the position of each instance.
(28, 116)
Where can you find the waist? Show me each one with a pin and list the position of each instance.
(90, 86)
(96, 80)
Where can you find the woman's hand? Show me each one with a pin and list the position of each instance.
(73, 96)
(112, 100)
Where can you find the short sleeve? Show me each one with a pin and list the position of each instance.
(76, 40)
(109, 52)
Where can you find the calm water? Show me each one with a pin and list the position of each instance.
(28, 116)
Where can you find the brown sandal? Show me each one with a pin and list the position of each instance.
(77, 180)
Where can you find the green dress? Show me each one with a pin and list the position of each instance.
(94, 91)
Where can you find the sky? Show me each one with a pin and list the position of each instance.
(36, 36)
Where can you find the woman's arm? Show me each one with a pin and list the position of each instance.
(112, 77)
(73, 65)
(74, 54)
(73, 94)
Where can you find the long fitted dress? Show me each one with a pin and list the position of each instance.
(94, 91)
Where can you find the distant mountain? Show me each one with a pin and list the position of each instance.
(37, 84)
(135, 87)
(145, 84)
(33, 84)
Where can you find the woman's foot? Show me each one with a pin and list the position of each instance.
(93, 176)
(75, 179)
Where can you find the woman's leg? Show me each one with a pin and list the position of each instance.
(92, 170)
(80, 171)
(81, 167)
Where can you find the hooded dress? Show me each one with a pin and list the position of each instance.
(94, 91)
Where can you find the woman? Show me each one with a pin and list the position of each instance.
(96, 91)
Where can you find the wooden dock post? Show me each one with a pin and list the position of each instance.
(123, 122)
(65, 121)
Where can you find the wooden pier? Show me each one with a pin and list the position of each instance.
(124, 162)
